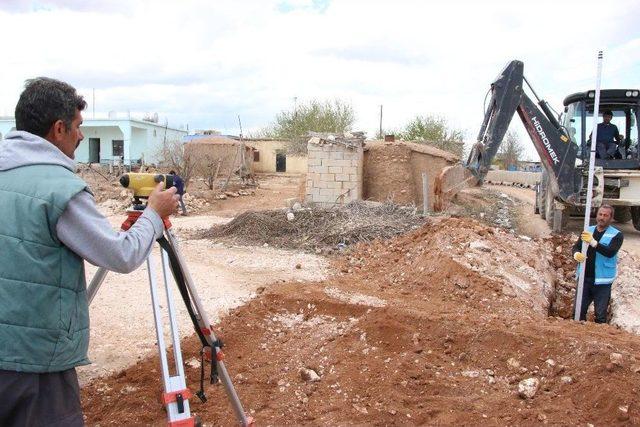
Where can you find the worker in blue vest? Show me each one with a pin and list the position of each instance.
(600, 263)
(50, 225)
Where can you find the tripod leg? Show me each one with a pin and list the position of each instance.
(175, 334)
(95, 284)
(205, 325)
(175, 396)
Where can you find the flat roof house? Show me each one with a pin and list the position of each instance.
(114, 137)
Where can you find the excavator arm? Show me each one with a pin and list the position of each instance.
(557, 153)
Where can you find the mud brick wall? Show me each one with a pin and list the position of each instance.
(334, 173)
(393, 171)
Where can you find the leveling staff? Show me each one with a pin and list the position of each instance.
(49, 225)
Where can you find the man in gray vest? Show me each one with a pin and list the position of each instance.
(49, 225)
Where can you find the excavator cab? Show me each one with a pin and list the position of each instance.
(578, 122)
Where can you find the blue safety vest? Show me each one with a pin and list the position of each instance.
(606, 268)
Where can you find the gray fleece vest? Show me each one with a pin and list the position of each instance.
(44, 315)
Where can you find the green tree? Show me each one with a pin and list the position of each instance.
(434, 130)
(315, 116)
(510, 151)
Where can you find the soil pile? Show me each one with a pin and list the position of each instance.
(444, 325)
(315, 229)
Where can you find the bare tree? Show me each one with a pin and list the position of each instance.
(174, 155)
(208, 166)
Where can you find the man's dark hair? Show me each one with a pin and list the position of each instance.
(608, 113)
(45, 101)
(172, 172)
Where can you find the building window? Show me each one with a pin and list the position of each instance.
(118, 147)
(256, 156)
(154, 133)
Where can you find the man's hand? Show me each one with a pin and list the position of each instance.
(579, 256)
(588, 238)
(165, 202)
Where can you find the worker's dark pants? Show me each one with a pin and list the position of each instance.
(184, 208)
(51, 399)
(599, 295)
(606, 150)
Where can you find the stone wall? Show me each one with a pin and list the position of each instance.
(334, 173)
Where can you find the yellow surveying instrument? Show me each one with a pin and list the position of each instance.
(175, 396)
(142, 184)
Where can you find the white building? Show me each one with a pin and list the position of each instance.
(115, 137)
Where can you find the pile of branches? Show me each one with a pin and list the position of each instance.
(318, 228)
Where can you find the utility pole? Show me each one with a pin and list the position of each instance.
(381, 135)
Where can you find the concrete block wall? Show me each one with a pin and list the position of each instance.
(334, 172)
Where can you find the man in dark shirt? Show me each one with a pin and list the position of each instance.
(601, 263)
(608, 137)
(179, 184)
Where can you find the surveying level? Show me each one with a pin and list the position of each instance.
(142, 184)
(176, 395)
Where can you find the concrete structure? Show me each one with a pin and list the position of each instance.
(335, 170)
(113, 137)
(271, 156)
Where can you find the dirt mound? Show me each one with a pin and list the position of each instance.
(317, 228)
(443, 325)
(493, 208)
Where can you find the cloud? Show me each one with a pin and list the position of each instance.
(108, 6)
(375, 52)
(317, 6)
(204, 63)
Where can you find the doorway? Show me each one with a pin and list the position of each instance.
(281, 161)
(117, 146)
(94, 150)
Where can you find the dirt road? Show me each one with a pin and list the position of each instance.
(537, 227)
(122, 329)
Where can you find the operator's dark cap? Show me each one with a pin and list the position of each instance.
(607, 113)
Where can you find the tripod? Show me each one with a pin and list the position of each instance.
(176, 395)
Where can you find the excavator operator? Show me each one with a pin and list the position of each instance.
(608, 138)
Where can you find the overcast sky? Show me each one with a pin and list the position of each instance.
(204, 62)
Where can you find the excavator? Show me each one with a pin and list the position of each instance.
(563, 144)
